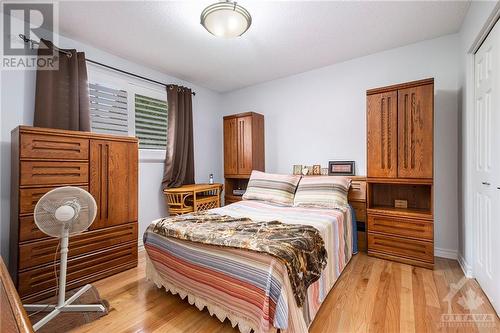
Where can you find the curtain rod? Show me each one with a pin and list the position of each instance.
(33, 42)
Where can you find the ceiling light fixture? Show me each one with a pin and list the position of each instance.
(226, 19)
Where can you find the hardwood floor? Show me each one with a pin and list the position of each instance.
(371, 295)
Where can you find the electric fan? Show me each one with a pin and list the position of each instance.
(60, 213)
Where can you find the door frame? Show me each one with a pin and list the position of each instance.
(470, 228)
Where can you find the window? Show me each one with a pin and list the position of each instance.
(108, 110)
(150, 122)
(123, 105)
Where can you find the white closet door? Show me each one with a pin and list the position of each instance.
(486, 176)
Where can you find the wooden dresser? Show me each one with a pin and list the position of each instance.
(400, 122)
(243, 151)
(104, 165)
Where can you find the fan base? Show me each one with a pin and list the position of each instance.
(65, 307)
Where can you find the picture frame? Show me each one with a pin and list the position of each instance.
(297, 169)
(341, 168)
(316, 169)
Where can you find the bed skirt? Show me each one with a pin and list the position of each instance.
(216, 310)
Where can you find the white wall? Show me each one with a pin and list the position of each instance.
(476, 18)
(319, 116)
(17, 107)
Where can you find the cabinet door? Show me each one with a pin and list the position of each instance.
(231, 146)
(415, 131)
(245, 157)
(382, 118)
(113, 182)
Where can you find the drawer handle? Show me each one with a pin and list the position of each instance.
(486, 183)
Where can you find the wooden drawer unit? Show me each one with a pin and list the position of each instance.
(397, 246)
(359, 210)
(54, 147)
(357, 199)
(29, 197)
(49, 173)
(44, 159)
(410, 228)
(42, 252)
(231, 199)
(41, 281)
(357, 192)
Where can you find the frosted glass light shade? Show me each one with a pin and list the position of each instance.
(226, 19)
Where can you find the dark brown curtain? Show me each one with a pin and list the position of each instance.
(179, 161)
(62, 96)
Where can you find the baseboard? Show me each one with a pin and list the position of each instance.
(445, 253)
(466, 268)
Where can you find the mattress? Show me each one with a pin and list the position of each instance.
(251, 289)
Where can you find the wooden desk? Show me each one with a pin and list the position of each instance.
(193, 198)
(13, 318)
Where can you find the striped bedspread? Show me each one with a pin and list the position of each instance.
(251, 289)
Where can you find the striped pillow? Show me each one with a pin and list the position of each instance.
(325, 192)
(271, 187)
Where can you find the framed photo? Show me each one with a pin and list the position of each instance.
(297, 169)
(341, 168)
(316, 169)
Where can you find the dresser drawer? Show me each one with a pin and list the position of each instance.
(49, 173)
(401, 227)
(408, 248)
(359, 210)
(28, 229)
(357, 192)
(42, 252)
(53, 147)
(41, 281)
(28, 197)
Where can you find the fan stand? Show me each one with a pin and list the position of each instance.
(62, 304)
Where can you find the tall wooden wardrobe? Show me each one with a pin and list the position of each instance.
(243, 151)
(104, 165)
(400, 122)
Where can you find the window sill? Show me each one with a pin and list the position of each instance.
(151, 156)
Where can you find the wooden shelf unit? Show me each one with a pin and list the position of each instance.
(400, 120)
(243, 151)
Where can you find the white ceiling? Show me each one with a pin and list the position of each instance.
(286, 37)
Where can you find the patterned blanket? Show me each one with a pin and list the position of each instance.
(299, 247)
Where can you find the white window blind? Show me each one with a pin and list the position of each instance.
(108, 110)
(151, 122)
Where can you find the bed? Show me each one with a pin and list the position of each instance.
(252, 290)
